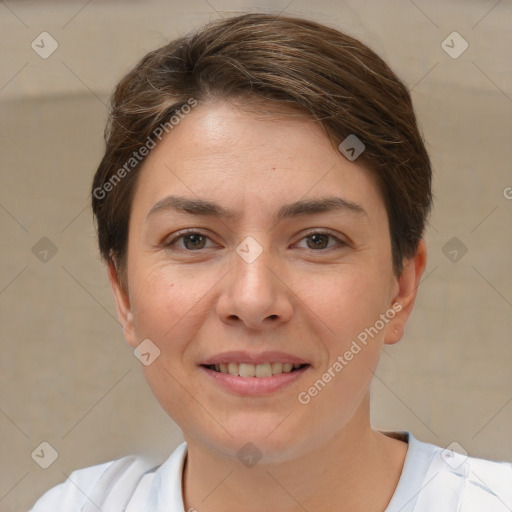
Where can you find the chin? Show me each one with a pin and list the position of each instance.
(263, 436)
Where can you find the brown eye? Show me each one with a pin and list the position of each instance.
(319, 240)
(196, 241)
(192, 241)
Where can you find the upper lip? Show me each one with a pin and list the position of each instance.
(254, 358)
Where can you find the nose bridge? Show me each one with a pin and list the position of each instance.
(254, 293)
(253, 279)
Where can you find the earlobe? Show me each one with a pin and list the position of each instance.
(124, 312)
(408, 283)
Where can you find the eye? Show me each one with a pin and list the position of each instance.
(192, 241)
(319, 239)
(195, 240)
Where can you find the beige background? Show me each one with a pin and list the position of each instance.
(66, 375)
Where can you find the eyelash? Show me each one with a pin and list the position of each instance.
(172, 243)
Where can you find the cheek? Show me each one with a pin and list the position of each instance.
(349, 306)
(168, 306)
(162, 293)
(347, 301)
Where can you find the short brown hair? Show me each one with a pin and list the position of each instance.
(316, 70)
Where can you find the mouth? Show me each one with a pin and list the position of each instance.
(243, 373)
(261, 371)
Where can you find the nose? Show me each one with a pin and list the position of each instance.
(255, 294)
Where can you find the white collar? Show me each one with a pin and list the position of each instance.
(166, 490)
(166, 493)
(428, 482)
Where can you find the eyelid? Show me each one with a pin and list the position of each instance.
(176, 237)
(324, 231)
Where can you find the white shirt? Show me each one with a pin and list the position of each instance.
(432, 480)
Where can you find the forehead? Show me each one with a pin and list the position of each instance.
(247, 159)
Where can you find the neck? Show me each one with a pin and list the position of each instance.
(336, 475)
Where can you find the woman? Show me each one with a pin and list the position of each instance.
(261, 205)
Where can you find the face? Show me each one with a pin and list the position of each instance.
(287, 263)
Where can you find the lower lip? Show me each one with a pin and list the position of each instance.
(254, 386)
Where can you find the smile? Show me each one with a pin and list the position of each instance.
(255, 370)
(246, 379)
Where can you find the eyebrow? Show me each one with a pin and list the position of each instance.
(203, 207)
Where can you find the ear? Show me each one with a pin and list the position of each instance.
(407, 285)
(124, 312)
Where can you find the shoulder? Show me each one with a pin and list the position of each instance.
(471, 484)
(89, 488)
(489, 485)
(444, 480)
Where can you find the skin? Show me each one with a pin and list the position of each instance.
(304, 298)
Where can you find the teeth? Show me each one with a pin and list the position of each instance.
(263, 370)
(287, 367)
(255, 370)
(277, 368)
(246, 370)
